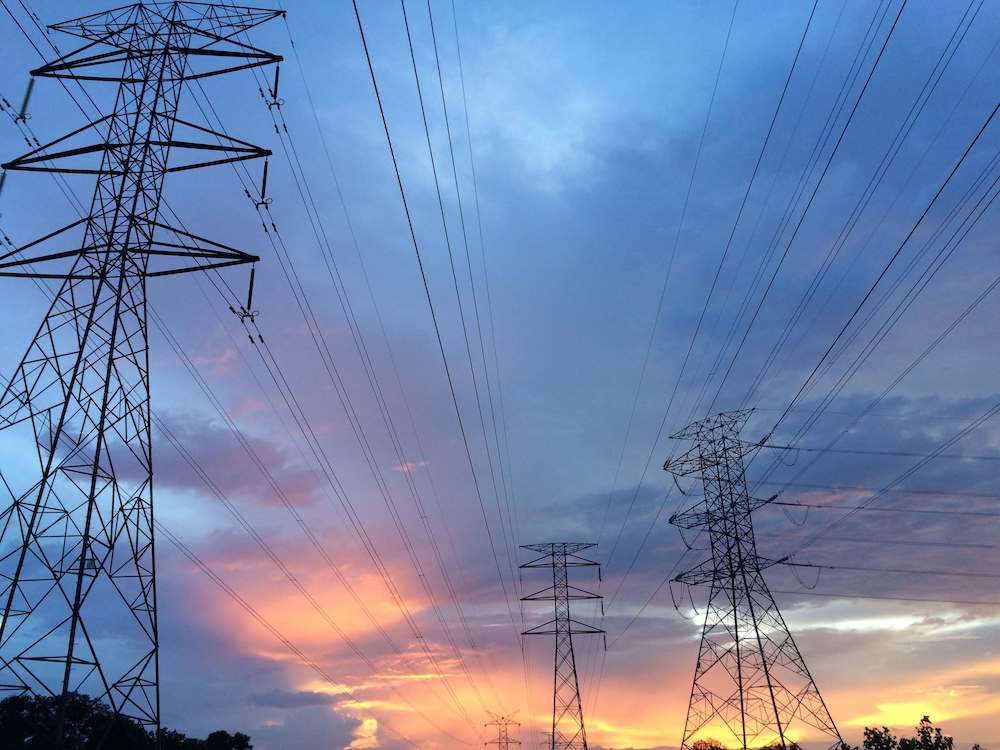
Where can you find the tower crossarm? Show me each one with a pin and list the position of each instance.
(209, 24)
(695, 517)
(699, 516)
(551, 593)
(175, 250)
(554, 627)
(44, 159)
(688, 463)
(709, 570)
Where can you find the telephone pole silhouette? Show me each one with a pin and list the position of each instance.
(77, 556)
(503, 725)
(750, 679)
(568, 731)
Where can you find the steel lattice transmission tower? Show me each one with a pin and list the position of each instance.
(750, 680)
(77, 560)
(503, 725)
(568, 731)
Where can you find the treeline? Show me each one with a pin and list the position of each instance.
(32, 723)
(927, 737)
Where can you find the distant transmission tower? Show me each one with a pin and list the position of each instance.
(77, 560)
(750, 680)
(568, 732)
(503, 725)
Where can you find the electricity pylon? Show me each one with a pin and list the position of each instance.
(750, 680)
(568, 731)
(77, 559)
(503, 725)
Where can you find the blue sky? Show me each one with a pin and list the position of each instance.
(585, 125)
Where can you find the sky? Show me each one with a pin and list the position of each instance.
(612, 148)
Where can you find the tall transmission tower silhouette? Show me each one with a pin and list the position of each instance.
(750, 680)
(568, 731)
(503, 725)
(77, 557)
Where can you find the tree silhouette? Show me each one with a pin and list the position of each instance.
(32, 723)
(928, 737)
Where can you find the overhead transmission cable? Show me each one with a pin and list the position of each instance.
(725, 253)
(841, 99)
(806, 176)
(302, 420)
(809, 203)
(506, 462)
(666, 281)
(422, 461)
(299, 292)
(508, 543)
(983, 203)
(472, 288)
(888, 159)
(434, 320)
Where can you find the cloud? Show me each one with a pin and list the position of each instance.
(299, 699)
(220, 454)
(311, 728)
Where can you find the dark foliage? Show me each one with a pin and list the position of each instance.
(32, 723)
(927, 737)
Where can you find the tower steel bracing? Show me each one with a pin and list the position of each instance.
(751, 683)
(77, 558)
(503, 725)
(568, 730)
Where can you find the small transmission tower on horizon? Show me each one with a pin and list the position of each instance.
(77, 556)
(503, 725)
(568, 730)
(750, 679)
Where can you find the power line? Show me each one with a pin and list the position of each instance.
(433, 312)
(884, 453)
(862, 488)
(962, 602)
(900, 571)
(472, 288)
(419, 638)
(857, 63)
(509, 483)
(873, 509)
(319, 339)
(809, 203)
(888, 159)
(508, 544)
(891, 261)
(666, 279)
